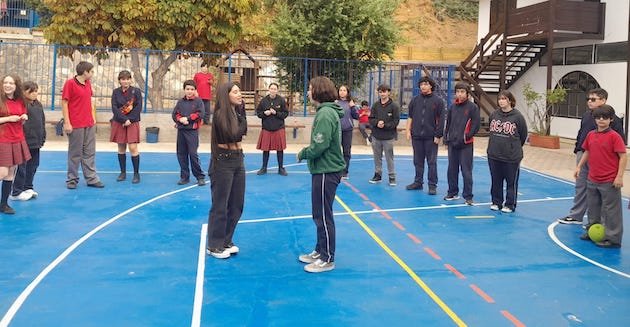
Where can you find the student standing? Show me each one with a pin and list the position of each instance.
(347, 125)
(605, 152)
(204, 80)
(364, 122)
(462, 123)
(13, 147)
(425, 128)
(188, 115)
(126, 108)
(35, 135)
(78, 123)
(384, 118)
(227, 171)
(326, 163)
(596, 98)
(508, 132)
(272, 109)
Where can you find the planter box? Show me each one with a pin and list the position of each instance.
(541, 141)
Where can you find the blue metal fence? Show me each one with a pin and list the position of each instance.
(160, 74)
(14, 13)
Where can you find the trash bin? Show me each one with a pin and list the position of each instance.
(152, 134)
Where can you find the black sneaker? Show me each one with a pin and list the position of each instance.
(282, 171)
(136, 178)
(183, 181)
(71, 185)
(201, 182)
(262, 171)
(376, 179)
(98, 184)
(568, 220)
(121, 177)
(414, 186)
(392, 181)
(6, 209)
(432, 190)
(608, 244)
(449, 197)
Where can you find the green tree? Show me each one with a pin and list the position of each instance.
(359, 33)
(190, 25)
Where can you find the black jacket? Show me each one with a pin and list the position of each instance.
(427, 114)
(193, 109)
(35, 126)
(462, 123)
(120, 99)
(389, 113)
(588, 124)
(508, 132)
(272, 122)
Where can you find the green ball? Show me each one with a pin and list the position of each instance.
(597, 232)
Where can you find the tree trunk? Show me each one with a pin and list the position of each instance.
(157, 77)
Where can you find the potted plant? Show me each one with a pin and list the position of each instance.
(541, 110)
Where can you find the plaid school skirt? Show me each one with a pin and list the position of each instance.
(272, 140)
(125, 135)
(12, 154)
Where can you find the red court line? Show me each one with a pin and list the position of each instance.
(431, 253)
(414, 238)
(364, 197)
(386, 215)
(354, 189)
(454, 271)
(482, 293)
(513, 319)
(398, 225)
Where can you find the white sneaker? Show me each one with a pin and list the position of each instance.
(33, 193)
(231, 248)
(506, 210)
(494, 207)
(309, 258)
(319, 266)
(218, 253)
(367, 142)
(24, 196)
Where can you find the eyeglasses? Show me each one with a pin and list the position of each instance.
(600, 117)
(593, 99)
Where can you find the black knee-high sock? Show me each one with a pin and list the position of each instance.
(6, 189)
(122, 162)
(136, 163)
(265, 158)
(280, 155)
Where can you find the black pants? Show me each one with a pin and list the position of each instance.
(323, 190)
(25, 174)
(425, 149)
(227, 186)
(187, 144)
(460, 158)
(208, 111)
(346, 145)
(504, 171)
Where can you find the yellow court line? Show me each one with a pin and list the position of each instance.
(474, 217)
(404, 266)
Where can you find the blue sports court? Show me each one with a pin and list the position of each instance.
(133, 254)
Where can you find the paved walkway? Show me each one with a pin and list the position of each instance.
(559, 163)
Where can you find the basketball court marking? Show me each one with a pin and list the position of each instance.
(552, 235)
(29, 289)
(201, 270)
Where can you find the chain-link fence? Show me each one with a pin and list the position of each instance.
(160, 74)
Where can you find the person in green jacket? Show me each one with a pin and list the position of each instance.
(326, 163)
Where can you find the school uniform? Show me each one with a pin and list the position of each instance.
(427, 114)
(188, 136)
(462, 123)
(35, 136)
(126, 105)
(383, 138)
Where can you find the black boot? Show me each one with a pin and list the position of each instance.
(136, 168)
(122, 162)
(263, 169)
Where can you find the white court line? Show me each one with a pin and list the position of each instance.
(552, 234)
(201, 268)
(29, 289)
(441, 206)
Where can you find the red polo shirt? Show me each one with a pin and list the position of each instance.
(79, 97)
(13, 132)
(603, 159)
(203, 85)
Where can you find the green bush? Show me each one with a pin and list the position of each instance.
(457, 9)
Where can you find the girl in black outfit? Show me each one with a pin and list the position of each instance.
(227, 171)
(273, 111)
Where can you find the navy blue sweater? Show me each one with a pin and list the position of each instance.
(133, 95)
(389, 113)
(35, 126)
(427, 114)
(462, 123)
(193, 109)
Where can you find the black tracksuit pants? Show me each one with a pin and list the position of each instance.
(425, 149)
(26, 173)
(504, 171)
(460, 158)
(346, 145)
(323, 190)
(187, 145)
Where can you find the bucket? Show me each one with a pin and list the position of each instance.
(152, 134)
